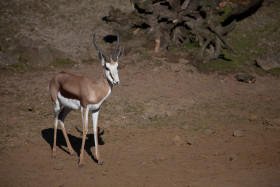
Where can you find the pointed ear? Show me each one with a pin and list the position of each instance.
(101, 59)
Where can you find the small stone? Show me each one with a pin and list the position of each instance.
(219, 153)
(232, 157)
(253, 118)
(58, 167)
(105, 172)
(30, 109)
(208, 131)
(190, 142)
(168, 114)
(143, 163)
(272, 122)
(177, 141)
(237, 133)
(184, 127)
(151, 116)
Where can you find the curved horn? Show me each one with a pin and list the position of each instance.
(116, 48)
(107, 59)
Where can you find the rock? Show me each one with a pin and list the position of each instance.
(269, 62)
(152, 116)
(184, 127)
(58, 167)
(6, 60)
(168, 114)
(177, 141)
(245, 78)
(143, 163)
(30, 109)
(219, 153)
(190, 142)
(151, 113)
(232, 157)
(34, 53)
(272, 123)
(253, 118)
(208, 131)
(237, 133)
(104, 173)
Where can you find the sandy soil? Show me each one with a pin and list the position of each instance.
(164, 125)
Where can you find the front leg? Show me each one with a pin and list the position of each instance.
(95, 132)
(84, 111)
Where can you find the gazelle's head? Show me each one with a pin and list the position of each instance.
(110, 64)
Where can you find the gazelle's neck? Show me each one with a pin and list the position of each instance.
(109, 83)
(106, 80)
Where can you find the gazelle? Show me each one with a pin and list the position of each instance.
(71, 92)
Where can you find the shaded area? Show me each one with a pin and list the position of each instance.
(48, 135)
(110, 38)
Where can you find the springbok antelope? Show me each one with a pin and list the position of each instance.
(71, 92)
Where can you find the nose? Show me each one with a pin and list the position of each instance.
(117, 82)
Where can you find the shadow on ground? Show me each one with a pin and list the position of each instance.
(48, 135)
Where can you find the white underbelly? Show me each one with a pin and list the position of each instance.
(69, 103)
(76, 104)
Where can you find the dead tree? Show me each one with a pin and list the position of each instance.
(175, 23)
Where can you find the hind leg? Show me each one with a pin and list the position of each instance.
(57, 110)
(61, 117)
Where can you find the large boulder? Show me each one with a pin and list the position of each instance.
(34, 53)
(268, 62)
(6, 61)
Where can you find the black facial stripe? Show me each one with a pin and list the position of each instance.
(111, 76)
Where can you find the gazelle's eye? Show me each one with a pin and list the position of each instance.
(106, 67)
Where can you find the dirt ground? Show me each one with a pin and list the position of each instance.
(164, 125)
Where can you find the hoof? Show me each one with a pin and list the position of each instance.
(101, 163)
(53, 156)
(73, 154)
(81, 165)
